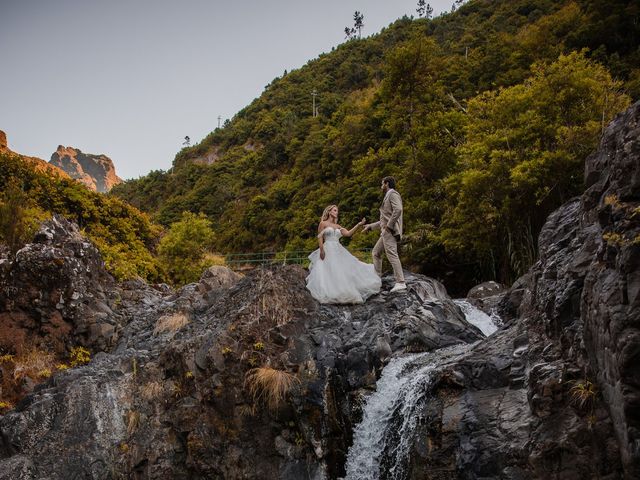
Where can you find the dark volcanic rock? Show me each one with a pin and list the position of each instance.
(57, 289)
(486, 296)
(169, 399)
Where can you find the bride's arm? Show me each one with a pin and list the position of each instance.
(321, 240)
(349, 233)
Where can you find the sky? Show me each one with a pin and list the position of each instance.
(131, 78)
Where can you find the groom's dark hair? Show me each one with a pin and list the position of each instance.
(390, 181)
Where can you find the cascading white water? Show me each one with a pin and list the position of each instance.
(475, 316)
(396, 390)
(383, 439)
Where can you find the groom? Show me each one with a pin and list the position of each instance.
(390, 225)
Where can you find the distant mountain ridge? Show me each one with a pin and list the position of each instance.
(97, 172)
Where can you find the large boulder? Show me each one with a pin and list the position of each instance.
(56, 291)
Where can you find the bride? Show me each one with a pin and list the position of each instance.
(336, 276)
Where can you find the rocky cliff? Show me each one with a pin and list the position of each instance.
(169, 395)
(95, 171)
(249, 377)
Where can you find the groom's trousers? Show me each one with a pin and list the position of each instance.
(388, 244)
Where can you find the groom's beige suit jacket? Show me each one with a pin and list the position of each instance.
(390, 214)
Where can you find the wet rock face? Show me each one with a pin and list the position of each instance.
(610, 302)
(95, 171)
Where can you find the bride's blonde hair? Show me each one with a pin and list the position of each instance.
(325, 214)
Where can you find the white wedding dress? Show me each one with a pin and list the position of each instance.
(340, 277)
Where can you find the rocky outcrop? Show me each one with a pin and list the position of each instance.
(610, 302)
(55, 293)
(165, 394)
(95, 171)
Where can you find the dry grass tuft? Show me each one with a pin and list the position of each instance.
(211, 259)
(33, 364)
(269, 385)
(133, 420)
(151, 390)
(170, 323)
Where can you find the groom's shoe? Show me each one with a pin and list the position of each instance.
(398, 287)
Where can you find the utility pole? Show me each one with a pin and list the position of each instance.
(219, 117)
(313, 94)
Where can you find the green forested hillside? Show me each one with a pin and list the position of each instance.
(484, 116)
(125, 236)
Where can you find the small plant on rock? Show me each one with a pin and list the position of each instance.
(132, 420)
(151, 390)
(227, 351)
(269, 385)
(79, 356)
(170, 323)
(583, 393)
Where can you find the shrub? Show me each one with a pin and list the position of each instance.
(34, 364)
(19, 219)
(583, 393)
(79, 356)
(183, 249)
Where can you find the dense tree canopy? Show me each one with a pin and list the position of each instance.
(125, 236)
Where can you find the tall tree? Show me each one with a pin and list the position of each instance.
(428, 12)
(358, 22)
(349, 33)
(421, 8)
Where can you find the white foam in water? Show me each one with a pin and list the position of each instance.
(477, 317)
(394, 389)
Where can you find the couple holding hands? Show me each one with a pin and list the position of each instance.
(336, 276)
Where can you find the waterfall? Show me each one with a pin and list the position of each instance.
(475, 316)
(382, 440)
